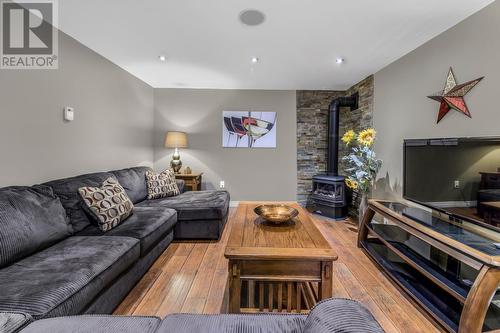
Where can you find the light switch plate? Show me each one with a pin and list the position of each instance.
(69, 113)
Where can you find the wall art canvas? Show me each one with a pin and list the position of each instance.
(248, 129)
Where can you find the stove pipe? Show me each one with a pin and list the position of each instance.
(333, 130)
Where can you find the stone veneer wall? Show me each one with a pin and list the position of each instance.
(312, 129)
(312, 141)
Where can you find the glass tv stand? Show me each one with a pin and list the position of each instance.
(451, 268)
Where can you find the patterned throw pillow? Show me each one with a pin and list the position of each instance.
(109, 205)
(161, 185)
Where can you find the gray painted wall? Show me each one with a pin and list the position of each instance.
(402, 109)
(112, 129)
(250, 174)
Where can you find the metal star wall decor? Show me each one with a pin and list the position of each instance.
(452, 96)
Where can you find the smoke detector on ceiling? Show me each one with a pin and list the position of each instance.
(252, 17)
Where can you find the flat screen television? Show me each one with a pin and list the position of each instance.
(456, 176)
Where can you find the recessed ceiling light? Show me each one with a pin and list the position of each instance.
(339, 60)
(255, 60)
(252, 17)
(162, 58)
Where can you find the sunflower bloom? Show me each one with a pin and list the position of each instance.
(367, 137)
(352, 184)
(348, 137)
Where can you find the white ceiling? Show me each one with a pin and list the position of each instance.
(207, 47)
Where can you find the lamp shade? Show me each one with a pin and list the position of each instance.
(176, 140)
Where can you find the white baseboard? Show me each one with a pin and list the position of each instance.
(449, 204)
(234, 203)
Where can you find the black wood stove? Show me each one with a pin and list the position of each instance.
(329, 196)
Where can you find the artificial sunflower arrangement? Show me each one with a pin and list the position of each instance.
(367, 137)
(349, 137)
(352, 184)
(362, 161)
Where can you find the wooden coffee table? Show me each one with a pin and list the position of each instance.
(277, 268)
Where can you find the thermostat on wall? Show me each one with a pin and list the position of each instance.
(69, 113)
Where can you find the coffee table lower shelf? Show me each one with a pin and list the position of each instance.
(290, 286)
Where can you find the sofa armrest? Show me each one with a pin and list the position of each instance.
(11, 322)
(180, 184)
(341, 315)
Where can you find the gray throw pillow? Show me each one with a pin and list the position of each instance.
(161, 185)
(31, 219)
(108, 205)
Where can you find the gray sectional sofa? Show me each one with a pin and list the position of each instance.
(55, 262)
(334, 315)
(55, 265)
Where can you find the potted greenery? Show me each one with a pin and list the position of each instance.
(363, 165)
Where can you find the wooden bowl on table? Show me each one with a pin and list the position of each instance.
(276, 213)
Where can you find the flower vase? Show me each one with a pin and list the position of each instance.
(363, 206)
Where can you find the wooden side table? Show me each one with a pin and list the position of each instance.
(492, 212)
(489, 180)
(193, 180)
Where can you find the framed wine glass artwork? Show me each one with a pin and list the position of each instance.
(248, 129)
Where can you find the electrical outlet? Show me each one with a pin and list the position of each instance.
(222, 184)
(456, 184)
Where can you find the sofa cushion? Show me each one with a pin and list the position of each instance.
(65, 278)
(161, 185)
(31, 219)
(342, 316)
(148, 224)
(67, 190)
(133, 181)
(195, 205)
(108, 205)
(258, 323)
(94, 324)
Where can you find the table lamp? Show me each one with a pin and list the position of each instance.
(176, 140)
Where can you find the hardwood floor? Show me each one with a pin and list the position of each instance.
(192, 277)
